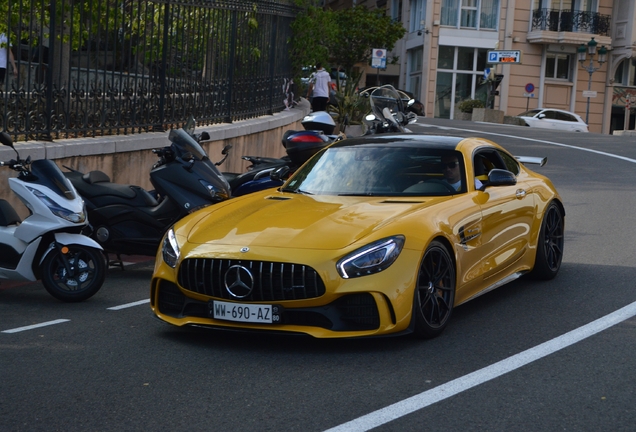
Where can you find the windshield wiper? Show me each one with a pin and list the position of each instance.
(298, 191)
(358, 194)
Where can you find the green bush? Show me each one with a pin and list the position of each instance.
(467, 105)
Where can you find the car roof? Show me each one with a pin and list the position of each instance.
(406, 139)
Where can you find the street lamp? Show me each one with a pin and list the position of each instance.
(591, 50)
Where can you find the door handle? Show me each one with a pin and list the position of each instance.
(520, 193)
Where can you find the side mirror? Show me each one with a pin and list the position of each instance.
(541, 116)
(226, 149)
(501, 177)
(205, 136)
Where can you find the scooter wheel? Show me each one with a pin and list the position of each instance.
(87, 272)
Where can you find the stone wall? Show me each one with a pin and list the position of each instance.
(129, 158)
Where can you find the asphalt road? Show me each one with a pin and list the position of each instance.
(530, 356)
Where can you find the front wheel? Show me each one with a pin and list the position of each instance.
(434, 292)
(73, 273)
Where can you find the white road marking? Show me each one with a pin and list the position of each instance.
(128, 305)
(451, 388)
(535, 140)
(34, 326)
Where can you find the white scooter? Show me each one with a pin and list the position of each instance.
(47, 244)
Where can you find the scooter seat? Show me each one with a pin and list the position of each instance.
(93, 177)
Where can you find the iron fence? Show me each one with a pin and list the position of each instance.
(104, 67)
(571, 21)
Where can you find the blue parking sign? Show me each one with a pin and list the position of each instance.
(492, 57)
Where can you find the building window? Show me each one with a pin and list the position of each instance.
(460, 73)
(626, 73)
(418, 15)
(558, 66)
(473, 14)
(396, 10)
(415, 72)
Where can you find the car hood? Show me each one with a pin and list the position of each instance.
(300, 221)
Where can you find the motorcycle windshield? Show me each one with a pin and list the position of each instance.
(47, 173)
(184, 143)
(386, 97)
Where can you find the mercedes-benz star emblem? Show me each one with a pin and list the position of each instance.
(239, 282)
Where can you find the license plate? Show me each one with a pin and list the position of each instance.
(249, 313)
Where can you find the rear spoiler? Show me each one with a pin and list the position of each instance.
(532, 160)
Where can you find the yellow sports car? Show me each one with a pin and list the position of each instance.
(375, 235)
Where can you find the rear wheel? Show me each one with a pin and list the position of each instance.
(549, 245)
(73, 273)
(434, 292)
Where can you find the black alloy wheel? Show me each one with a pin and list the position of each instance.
(549, 244)
(73, 273)
(434, 293)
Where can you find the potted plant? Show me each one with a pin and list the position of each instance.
(464, 109)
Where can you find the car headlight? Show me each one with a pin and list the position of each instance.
(170, 249)
(372, 258)
(58, 211)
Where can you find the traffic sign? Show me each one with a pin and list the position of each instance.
(378, 59)
(506, 57)
(589, 93)
(529, 88)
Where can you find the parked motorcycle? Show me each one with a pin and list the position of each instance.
(129, 220)
(299, 146)
(388, 111)
(47, 244)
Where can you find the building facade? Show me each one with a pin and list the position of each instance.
(443, 56)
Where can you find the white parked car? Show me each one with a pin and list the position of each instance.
(550, 118)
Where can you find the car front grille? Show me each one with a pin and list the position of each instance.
(272, 281)
(352, 312)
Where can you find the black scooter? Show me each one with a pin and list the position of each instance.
(127, 219)
(266, 172)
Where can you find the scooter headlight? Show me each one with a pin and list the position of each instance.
(58, 211)
(372, 258)
(214, 192)
(170, 249)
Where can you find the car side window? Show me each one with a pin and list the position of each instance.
(565, 117)
(511, 163)
(550, 115)
(483, 163)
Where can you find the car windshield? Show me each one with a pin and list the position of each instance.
(378, 170)
(530, 113)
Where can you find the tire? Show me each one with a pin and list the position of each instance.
(434, 294)
(549, 245)
(80, 286)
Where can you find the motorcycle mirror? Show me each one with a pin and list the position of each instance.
(279, 173)
(205, 136)
(226, 149)
(5, 139)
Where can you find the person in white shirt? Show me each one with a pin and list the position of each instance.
(5, 53)
(319, 84)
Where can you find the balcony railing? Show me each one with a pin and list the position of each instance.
(571, 21)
